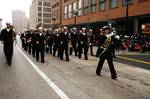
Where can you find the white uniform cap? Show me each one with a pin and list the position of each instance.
(65, 27)
(40, 28)
(84, 28)
(74, 28)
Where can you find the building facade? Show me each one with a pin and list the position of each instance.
(40, 14)
(0, 24)
(56, 13)
(19, 20)
(96, 13)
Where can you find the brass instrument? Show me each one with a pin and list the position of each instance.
(29, 40)
(104, 46)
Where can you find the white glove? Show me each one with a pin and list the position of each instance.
(117, 37)
(109, 35)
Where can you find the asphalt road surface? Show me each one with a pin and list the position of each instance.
(141, 60)
(57, 79)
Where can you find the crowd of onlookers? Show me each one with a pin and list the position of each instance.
(133, 43)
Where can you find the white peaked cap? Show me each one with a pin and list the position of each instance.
(40, 28)
(74, 28)
(65, 27)
(83, 28)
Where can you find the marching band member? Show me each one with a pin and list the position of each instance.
(105, 51)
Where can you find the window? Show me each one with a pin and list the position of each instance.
(39, 14)
(39, 20)
(65, 12)
(47, 20)
(39, 8)
(80, 7)
(102, 5)
(46, 26)
(129, 2)
(47, 9)
(74, 8)
(47, 4)
(40, 3)
(69, 11)
(113, 3)
(46, 15)
(93, 6)
(85, 11)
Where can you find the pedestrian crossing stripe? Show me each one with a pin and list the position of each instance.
(135, 60)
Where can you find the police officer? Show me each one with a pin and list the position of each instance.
(83, 43)
(40, 45)
(105, 51)
(74, 41)
(7, 39)
(64, 40)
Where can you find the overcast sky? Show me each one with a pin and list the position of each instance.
(6, 7)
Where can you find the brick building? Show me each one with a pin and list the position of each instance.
(96, 13)
(56, 13)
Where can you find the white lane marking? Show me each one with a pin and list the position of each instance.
(49, 81)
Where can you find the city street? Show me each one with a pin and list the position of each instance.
(141, 60)
(76, 79)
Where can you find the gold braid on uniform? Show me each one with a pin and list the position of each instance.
(105, 46)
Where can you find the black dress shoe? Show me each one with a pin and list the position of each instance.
(86, 58)
(114, 78)
(42, 61)
(67, 59)
(97, 73)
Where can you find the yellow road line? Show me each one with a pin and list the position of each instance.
(135, 60)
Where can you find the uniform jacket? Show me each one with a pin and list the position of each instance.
(7, 36)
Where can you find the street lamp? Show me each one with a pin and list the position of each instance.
(54, 19)
(75, 16)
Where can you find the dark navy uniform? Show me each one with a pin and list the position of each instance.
(83, 45)
(56, 44)
(22, 37)
(28, 40)
(33, 40)
(49, 41)
(74, 41)
(40, 46)
(106, 55)
(7, 37)
(64, 40)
